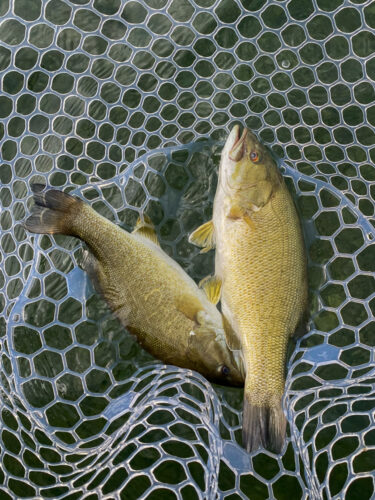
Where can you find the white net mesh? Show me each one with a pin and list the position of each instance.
(127, 104)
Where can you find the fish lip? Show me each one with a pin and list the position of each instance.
(238, 150)
(232, 138)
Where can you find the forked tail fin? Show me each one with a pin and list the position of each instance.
(53, 212)
(263, 426)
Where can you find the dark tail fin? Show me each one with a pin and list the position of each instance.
(53, 212)
(263, 426)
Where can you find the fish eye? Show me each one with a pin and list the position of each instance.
(225, 370)
(254, 156)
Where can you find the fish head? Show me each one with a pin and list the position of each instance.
(247, 170)
(226, 366)
(232, 371)
(214, 359)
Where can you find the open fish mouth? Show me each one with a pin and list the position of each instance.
(238, 148)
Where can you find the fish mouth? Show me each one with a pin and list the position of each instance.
(237, 149)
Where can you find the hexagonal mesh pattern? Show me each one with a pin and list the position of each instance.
(127, 103)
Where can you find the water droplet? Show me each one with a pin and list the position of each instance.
(285, 64)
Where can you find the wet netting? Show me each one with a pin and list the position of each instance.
(127, 104)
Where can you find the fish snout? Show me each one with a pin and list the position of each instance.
(238, 149)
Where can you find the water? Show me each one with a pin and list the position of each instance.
(93, 95)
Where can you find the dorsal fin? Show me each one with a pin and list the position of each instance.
(144, 227)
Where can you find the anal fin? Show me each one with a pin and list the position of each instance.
(212, 287)
(203, 236)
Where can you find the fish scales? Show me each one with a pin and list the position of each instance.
(137, 295)
(150, 293)
(260, 289)
(260, 263)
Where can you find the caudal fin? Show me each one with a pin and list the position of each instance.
(53, 211)
(263, 426)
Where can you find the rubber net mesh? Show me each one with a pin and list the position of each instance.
(127, 104)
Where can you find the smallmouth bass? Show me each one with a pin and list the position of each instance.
(261, 265)
(147, 290)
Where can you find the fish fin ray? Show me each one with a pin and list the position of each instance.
(263, 426)
(53, 212)
(249, 222)
(212, 288)
(237, 212)
(203, 236)
(146, 229)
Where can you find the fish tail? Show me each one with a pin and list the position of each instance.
(53, 213)
(263, 426)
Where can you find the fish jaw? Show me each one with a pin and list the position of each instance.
(238, 149)
(239, 144)
(232, 138)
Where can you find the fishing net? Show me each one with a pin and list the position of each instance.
(127, 104)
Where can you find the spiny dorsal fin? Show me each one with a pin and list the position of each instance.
(146, 228)
(212, 287)
(203, 236)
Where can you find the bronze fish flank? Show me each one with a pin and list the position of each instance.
(260, 262)
(148, 291)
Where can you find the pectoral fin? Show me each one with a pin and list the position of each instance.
(146, 229)
(203, 236)
(212, 287)
(237, 212)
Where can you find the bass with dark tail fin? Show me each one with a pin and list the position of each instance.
(260, 262)
(149, 292)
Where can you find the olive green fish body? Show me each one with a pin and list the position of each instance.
(260, 262)
(262, 270)
(149, 292)
(142, 296)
